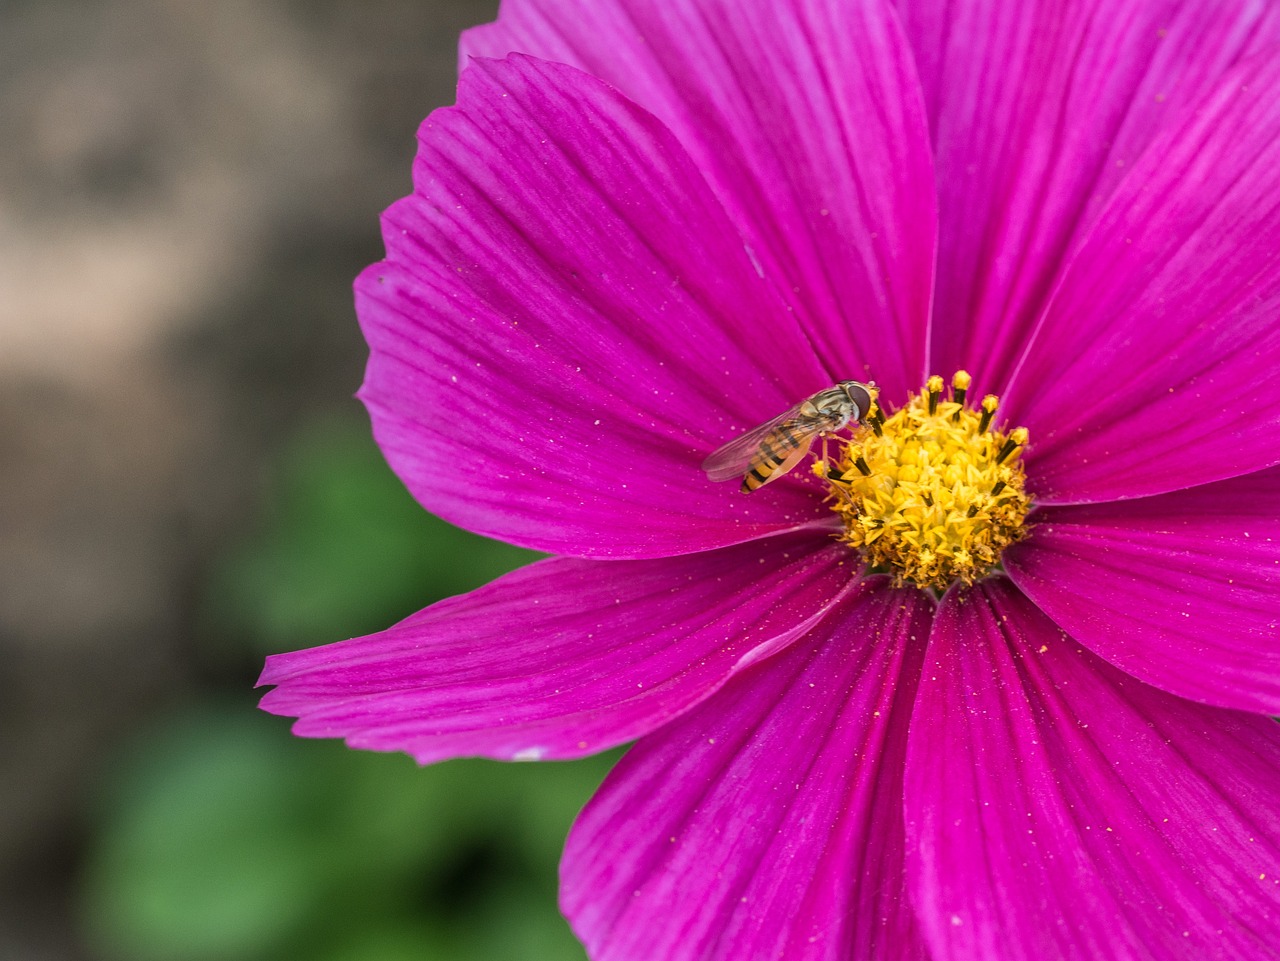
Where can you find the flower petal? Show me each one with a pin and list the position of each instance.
(1179, 590)
(806, 118)
(1057, 808)
(1154, 368)
(567, 324)
(767, 823)
(1023, 166)
(562, 658)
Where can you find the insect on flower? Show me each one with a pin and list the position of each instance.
(1000, 683)
(767, 452)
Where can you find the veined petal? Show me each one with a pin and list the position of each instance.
(562, 658)
(807, 119)
(1038, 109)
(567, 324)
(1057, 808)
(1154, 368)
(766, 823)
(1179, 589)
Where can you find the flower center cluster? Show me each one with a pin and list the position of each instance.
(931, 494)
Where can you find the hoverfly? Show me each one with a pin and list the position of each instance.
(775, 447)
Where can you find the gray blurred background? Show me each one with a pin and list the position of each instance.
(187, 190)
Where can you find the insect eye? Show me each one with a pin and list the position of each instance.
(861, 398)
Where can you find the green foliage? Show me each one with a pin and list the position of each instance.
(225, 839)
(220, 837)
(344, 551)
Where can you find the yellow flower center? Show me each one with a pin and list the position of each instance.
(931, 494)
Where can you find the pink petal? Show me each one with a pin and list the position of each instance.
(567, 324)
(1179, 590)
(1155, 368)
(1057, 808)
(767, 823)
(1038, 109)
(807, 119)
(562, 658)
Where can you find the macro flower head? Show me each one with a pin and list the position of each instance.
(986, 674)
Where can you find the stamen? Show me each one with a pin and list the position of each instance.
(1012, 443)
(934, 386)
(989, 405)
(932, 494)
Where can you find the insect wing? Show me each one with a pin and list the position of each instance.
(733, 459)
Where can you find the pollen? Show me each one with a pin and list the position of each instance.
(933, 493)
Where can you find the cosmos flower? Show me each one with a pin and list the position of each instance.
(991, 679)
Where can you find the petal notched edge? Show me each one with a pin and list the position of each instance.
(562, 658)
(567, 324)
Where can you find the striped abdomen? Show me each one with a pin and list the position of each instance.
(780, 450)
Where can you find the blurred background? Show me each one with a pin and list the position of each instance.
(187, 190)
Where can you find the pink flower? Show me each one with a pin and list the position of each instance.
(649, 225)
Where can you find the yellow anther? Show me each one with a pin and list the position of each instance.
(989, 405)
(935, 496)
(934, 386)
